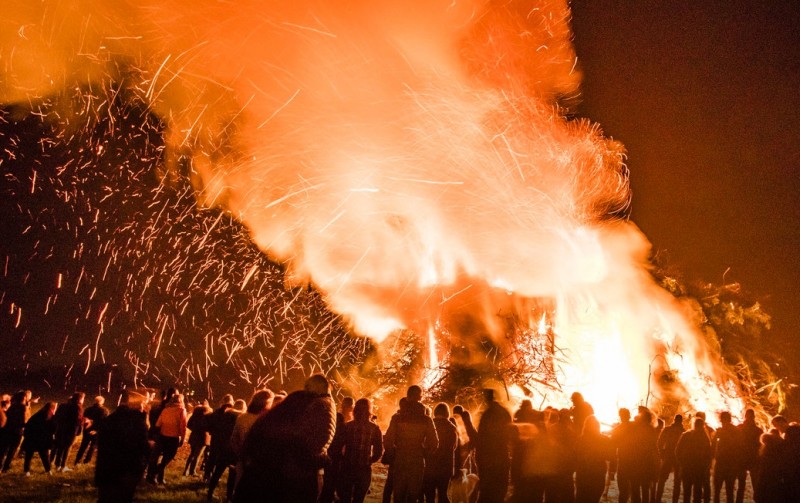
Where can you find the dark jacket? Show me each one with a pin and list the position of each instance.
(96, 413)
(39, 432)
(668, 441)
(693, 452)
(286, 447)
(494, 436)
(69, 420)
(442, 461)
(359, 445)
(198, 426)
(122, 447)
(221, 428)
(411, 435)
(16, 416)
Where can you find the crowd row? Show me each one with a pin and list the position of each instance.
(297, 448)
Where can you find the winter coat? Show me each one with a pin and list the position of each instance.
(122, 447)
(287, 445)
(198, 426)
(693, 452)
(39, 432)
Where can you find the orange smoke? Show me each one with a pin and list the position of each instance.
(409, 158)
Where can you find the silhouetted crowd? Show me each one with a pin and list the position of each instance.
(296, 447)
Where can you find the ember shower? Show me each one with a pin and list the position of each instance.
(413, 161)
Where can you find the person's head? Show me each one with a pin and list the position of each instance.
(414, 393)
(77, 398)
(701, 415)
(170, 393)
(644, 416)
(133, 400)
(699, 423)
(678, 419)
(526, 405)
(176, 400)
(199, 410)
(624, 415)
(347, 405)
(260, 401)
(99, 401)
(458, 410)
(725, 418)
(780, 423)
(749, 415)
(239, 405)
(318, 384)
(441, 410)
(18, 398)
(362, 409)
(488, 395)
(591, 426)
(227, 400)
(577, 399)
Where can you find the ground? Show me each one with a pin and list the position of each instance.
(77, 487)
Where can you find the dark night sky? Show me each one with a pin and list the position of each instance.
(706, 98)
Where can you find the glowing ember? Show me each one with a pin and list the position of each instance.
(412, 161)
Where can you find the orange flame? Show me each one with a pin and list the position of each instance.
(408, 158)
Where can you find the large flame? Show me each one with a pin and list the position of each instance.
(409, 158)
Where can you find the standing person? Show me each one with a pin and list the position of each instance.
(155, 411)
(199, 438)
(581, 409)
(259, 403)
(624, 461)
(707, 476)
(562, 433)
(16, 417)
(91, 420)
(727, 448)
(287, 447)
(791, 448)
(644, 439)
(331, 479)
(388, 455)
(215, 447)
(693, 454)
(122, 450)
(492, 450)
(69, 420)
(413, 437)
(221, 432)
(360, 445)
(171, 424)
(667, 442)
(750, 434)
(440, 466)
(594, 451)
(771, 484)
(40, 432)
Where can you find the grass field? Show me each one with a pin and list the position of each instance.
(77, 486)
